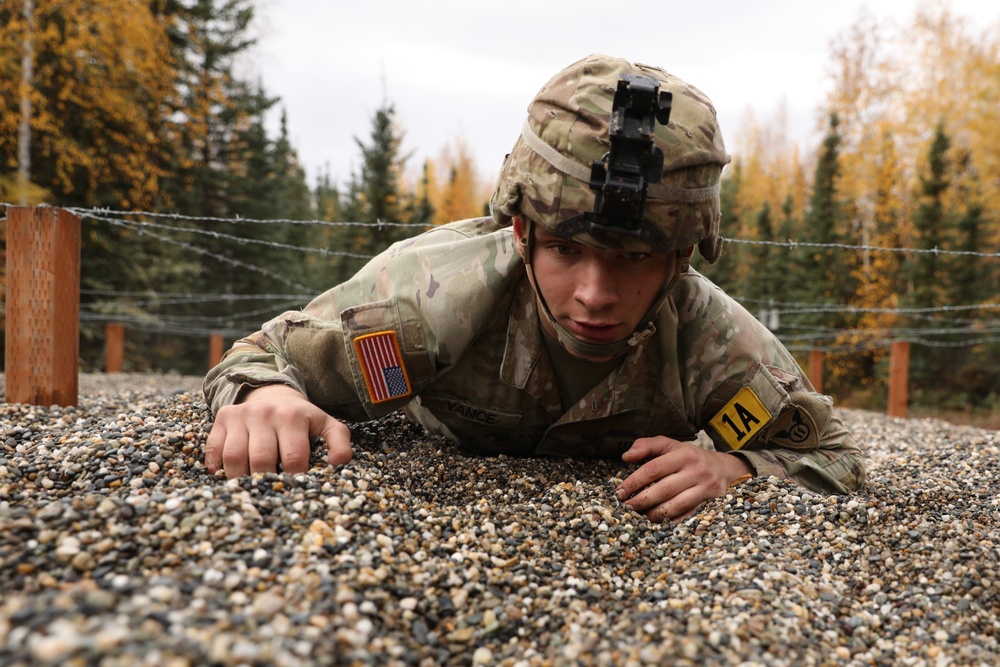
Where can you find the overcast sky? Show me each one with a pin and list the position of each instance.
(468, 68)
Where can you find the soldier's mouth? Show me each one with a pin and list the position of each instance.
(595, 332)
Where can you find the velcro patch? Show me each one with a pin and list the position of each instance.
(741, 418)
(795, 428)
(382, 366)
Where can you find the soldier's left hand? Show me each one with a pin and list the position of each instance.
(676, 478)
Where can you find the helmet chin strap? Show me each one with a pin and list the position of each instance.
(595, 350)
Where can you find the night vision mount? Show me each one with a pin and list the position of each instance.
(620, 178)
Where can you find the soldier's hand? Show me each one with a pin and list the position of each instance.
(676, 478)
(272, 423)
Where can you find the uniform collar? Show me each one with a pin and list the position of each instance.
(526, 365)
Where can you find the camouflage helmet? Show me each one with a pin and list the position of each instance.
(546, 177)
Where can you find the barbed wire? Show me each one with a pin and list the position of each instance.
(222, 296)
(325, 252)
(881, 344)
(207, 319)
(894, 334)
(793, 245)
(104, 214)
(221, 258)
(787, 308)
(179, 298)
(158, 326)
(199, 325)
(90, 213)
(845, 308)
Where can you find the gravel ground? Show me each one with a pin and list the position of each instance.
(118, 548)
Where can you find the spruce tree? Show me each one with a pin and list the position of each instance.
(969, 279)
(977, 375)
(785, 267)
(926, 270)
(375, 196)
(225, 166)
(824, 272)
(420, 211)
(761, 291)
(723, 273)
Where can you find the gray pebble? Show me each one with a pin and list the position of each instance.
(118, 548)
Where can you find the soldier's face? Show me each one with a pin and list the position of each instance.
(598, 295)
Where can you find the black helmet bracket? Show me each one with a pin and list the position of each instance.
(621, 177)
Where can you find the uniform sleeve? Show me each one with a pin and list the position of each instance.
(367, 346)
(752, 398)
(808, 443)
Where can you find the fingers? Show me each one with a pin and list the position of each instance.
(659, 467)
(645, 448)
(661, 503)
(254, 436)
(656, 485)
(214, 447)
(338, 442)
(676, 481)
(234, 453)
(293, 446)
(262, 451)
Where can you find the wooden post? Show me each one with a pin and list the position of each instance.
(43, 306)
(215, 345)
(899, 378)
(816, 369)
(114, 347)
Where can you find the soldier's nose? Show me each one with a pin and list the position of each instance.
(594, 285)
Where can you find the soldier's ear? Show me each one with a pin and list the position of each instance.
(520, 240)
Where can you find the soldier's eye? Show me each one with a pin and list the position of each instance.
(561, 249)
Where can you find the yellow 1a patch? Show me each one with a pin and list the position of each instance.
(741, 418)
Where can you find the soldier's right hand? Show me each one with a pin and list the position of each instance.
(272, 423)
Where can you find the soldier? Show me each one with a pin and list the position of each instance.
(567, 324)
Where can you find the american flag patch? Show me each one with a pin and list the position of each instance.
(382, 366)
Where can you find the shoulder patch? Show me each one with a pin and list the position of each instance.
(796, 429)
(382, 366)
(741, 418)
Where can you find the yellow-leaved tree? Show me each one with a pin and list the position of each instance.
(895, 88)
(101, 70)
(771, 175)
(460, 193)
(896, 84)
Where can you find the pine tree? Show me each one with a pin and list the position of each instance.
(969, 281)
(375, 196)
(324, 268)
(787, 276)
(823, 271)
(214, 107)
(762, 292)
(723, 272)
(925, 271)
(224, 165)
(421, 212)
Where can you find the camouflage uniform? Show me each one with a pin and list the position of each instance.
(447, 325)
(467, 359)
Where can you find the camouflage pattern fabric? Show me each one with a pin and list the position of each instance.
(568, 129)
(458, 302)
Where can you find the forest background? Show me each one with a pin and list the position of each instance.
(196, 221)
